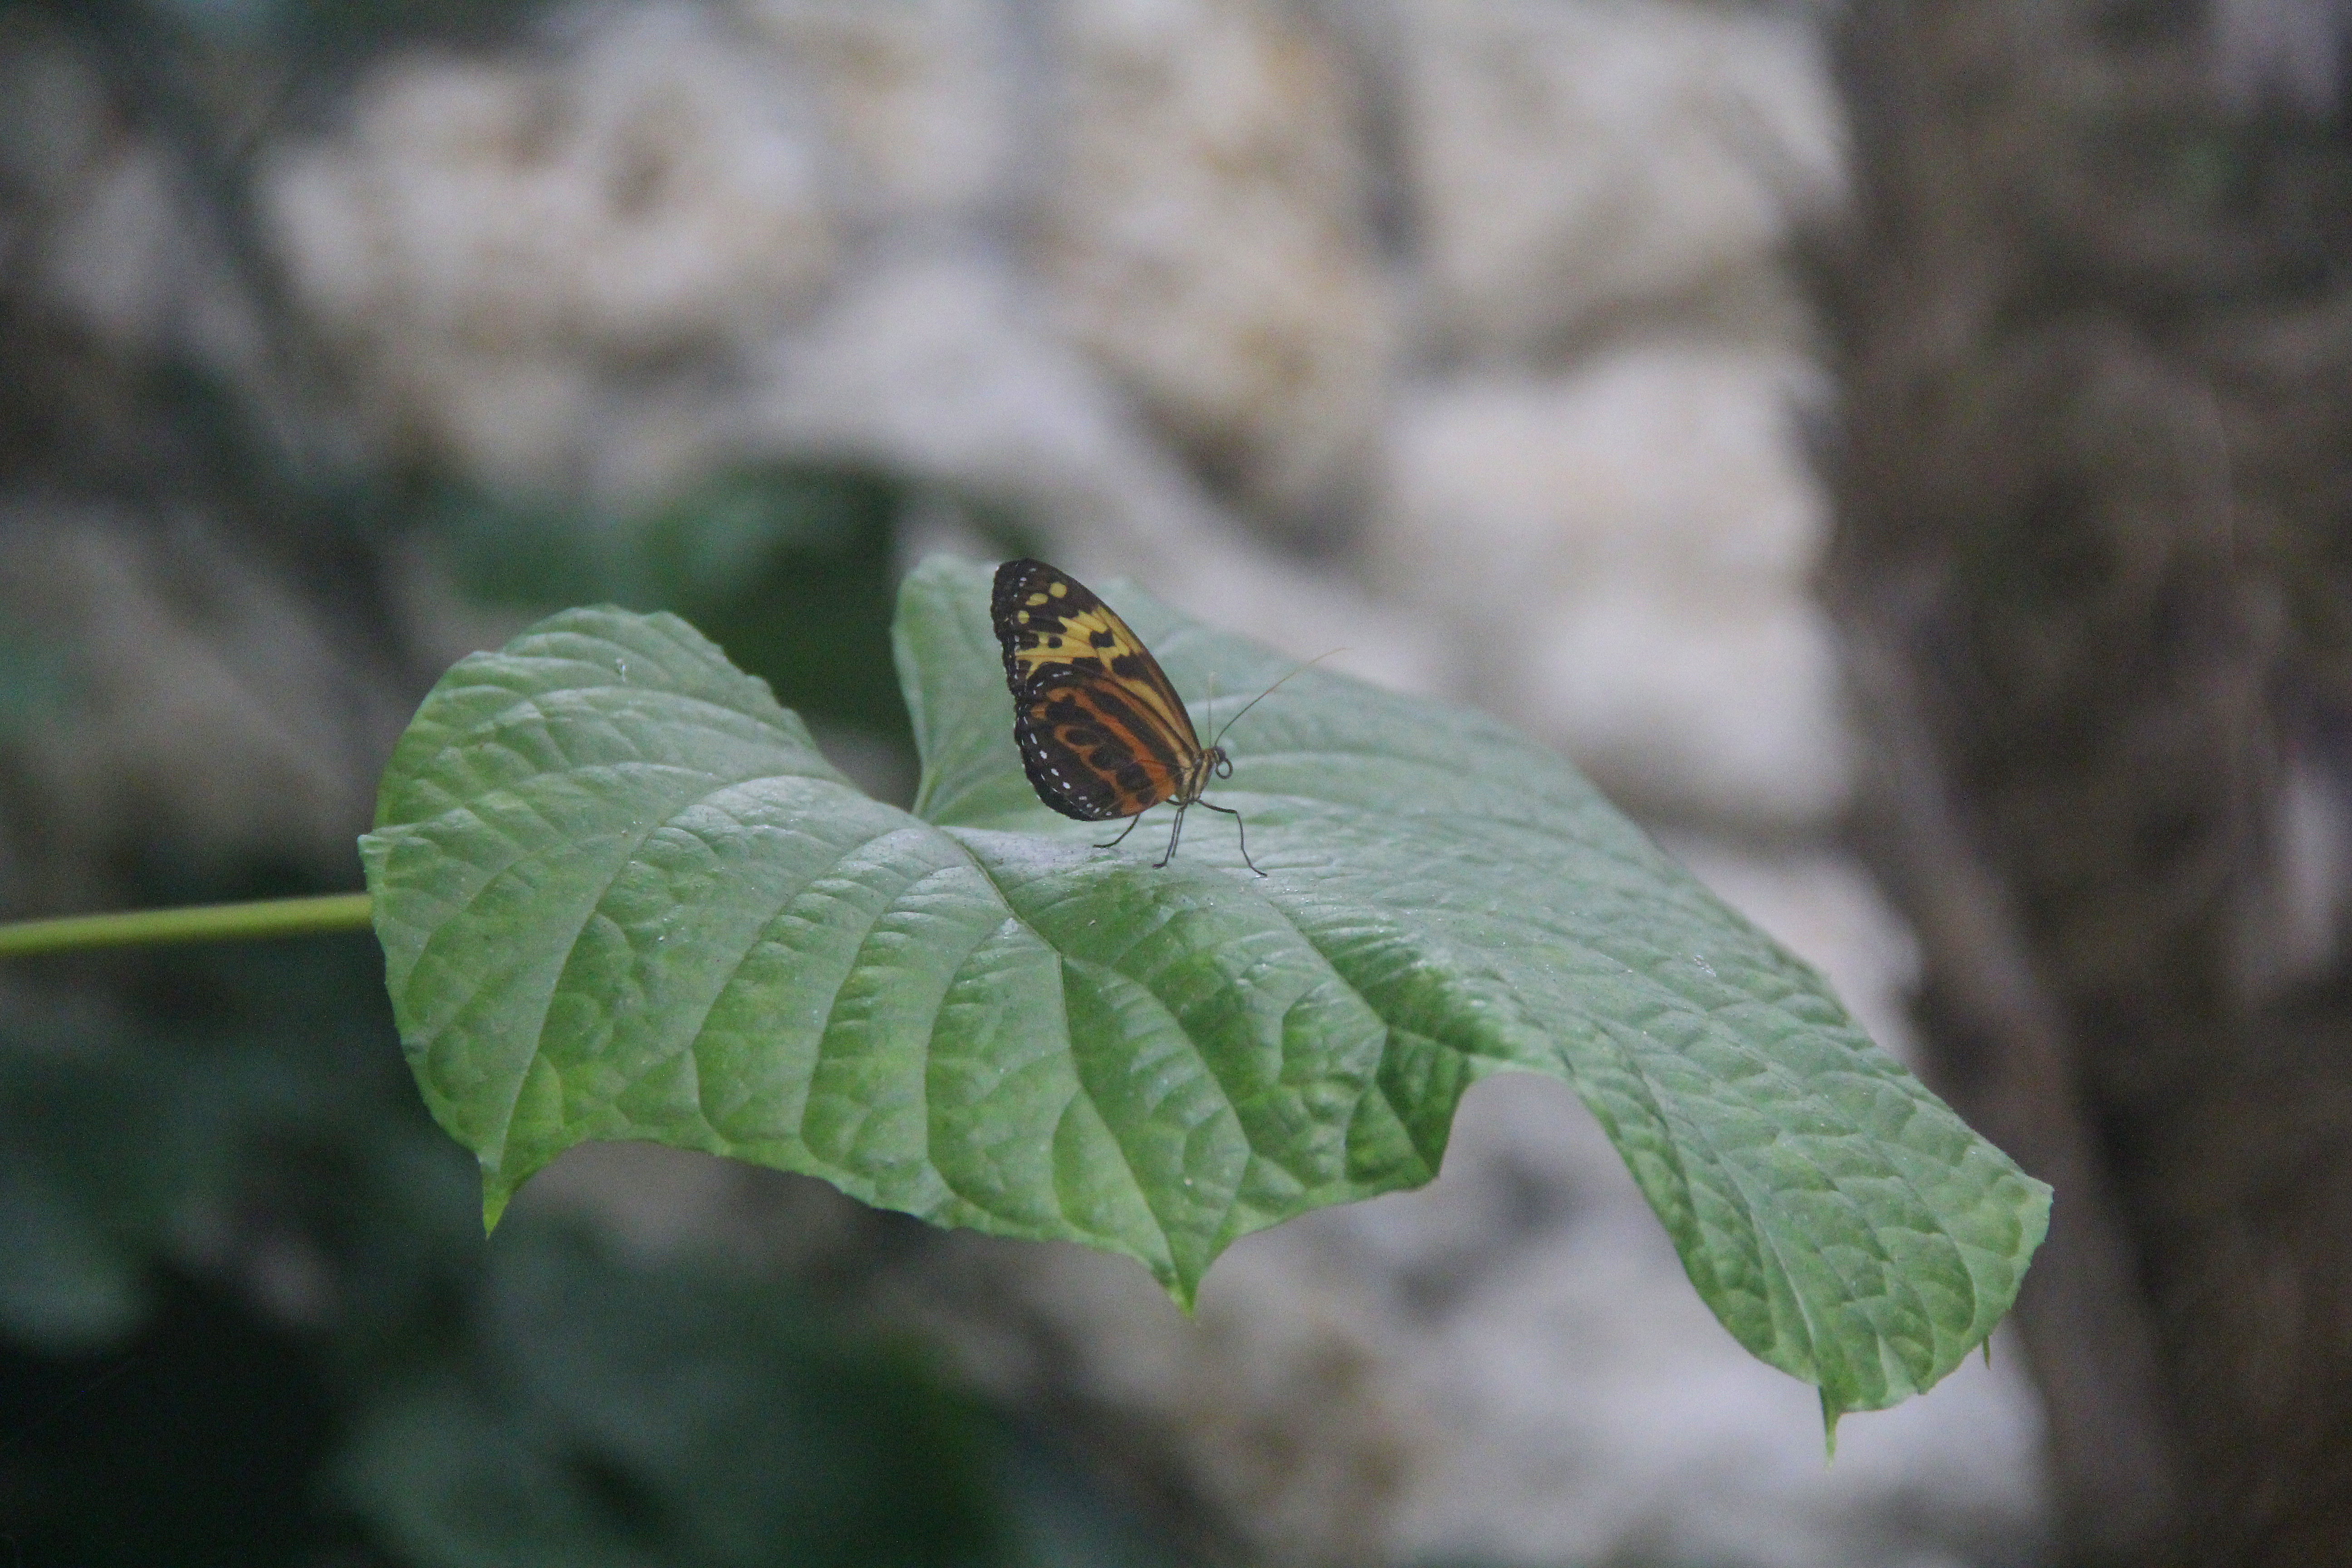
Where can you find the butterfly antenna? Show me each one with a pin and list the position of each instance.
(1264, 695)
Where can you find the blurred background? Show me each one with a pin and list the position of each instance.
(1897, 447)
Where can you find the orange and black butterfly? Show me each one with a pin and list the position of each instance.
(1102, 732)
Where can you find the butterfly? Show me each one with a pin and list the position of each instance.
(1101, 731)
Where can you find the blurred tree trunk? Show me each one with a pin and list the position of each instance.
(2092, 475)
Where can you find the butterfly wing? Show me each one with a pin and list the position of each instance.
(1101, 731)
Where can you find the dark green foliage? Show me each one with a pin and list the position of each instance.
(793, 571)
(603, 1413)
(530, 1399)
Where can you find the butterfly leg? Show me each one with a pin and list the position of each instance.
(1239, 827)
(1173, 834)
(1124, 831)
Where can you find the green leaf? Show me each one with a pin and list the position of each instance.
(620, 895)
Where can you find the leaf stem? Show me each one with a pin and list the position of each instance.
(250, 922)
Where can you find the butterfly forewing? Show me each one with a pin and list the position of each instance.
(1101, 731)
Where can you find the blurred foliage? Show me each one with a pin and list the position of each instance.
(254, 1093)
(35, 688)
(594, 1412)
(254, 1318)
(793, 570)
(194, 1442)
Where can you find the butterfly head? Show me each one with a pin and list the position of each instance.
(1212, 763)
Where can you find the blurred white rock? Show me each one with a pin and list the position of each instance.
(921, 99)
(96, 230)
(1592, 1410)
(1618, 559)
(1723, 713)
(652, 191)
(1207, 237)
(202, 708)
(1572, 159)
(943, 366)
(116, 260)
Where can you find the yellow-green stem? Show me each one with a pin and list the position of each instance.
(254, 921)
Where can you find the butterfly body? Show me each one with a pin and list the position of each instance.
(1102, 732)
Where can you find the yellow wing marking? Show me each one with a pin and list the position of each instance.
(1144, 684)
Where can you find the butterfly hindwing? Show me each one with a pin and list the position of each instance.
(1088, 756)
(1101, 731)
